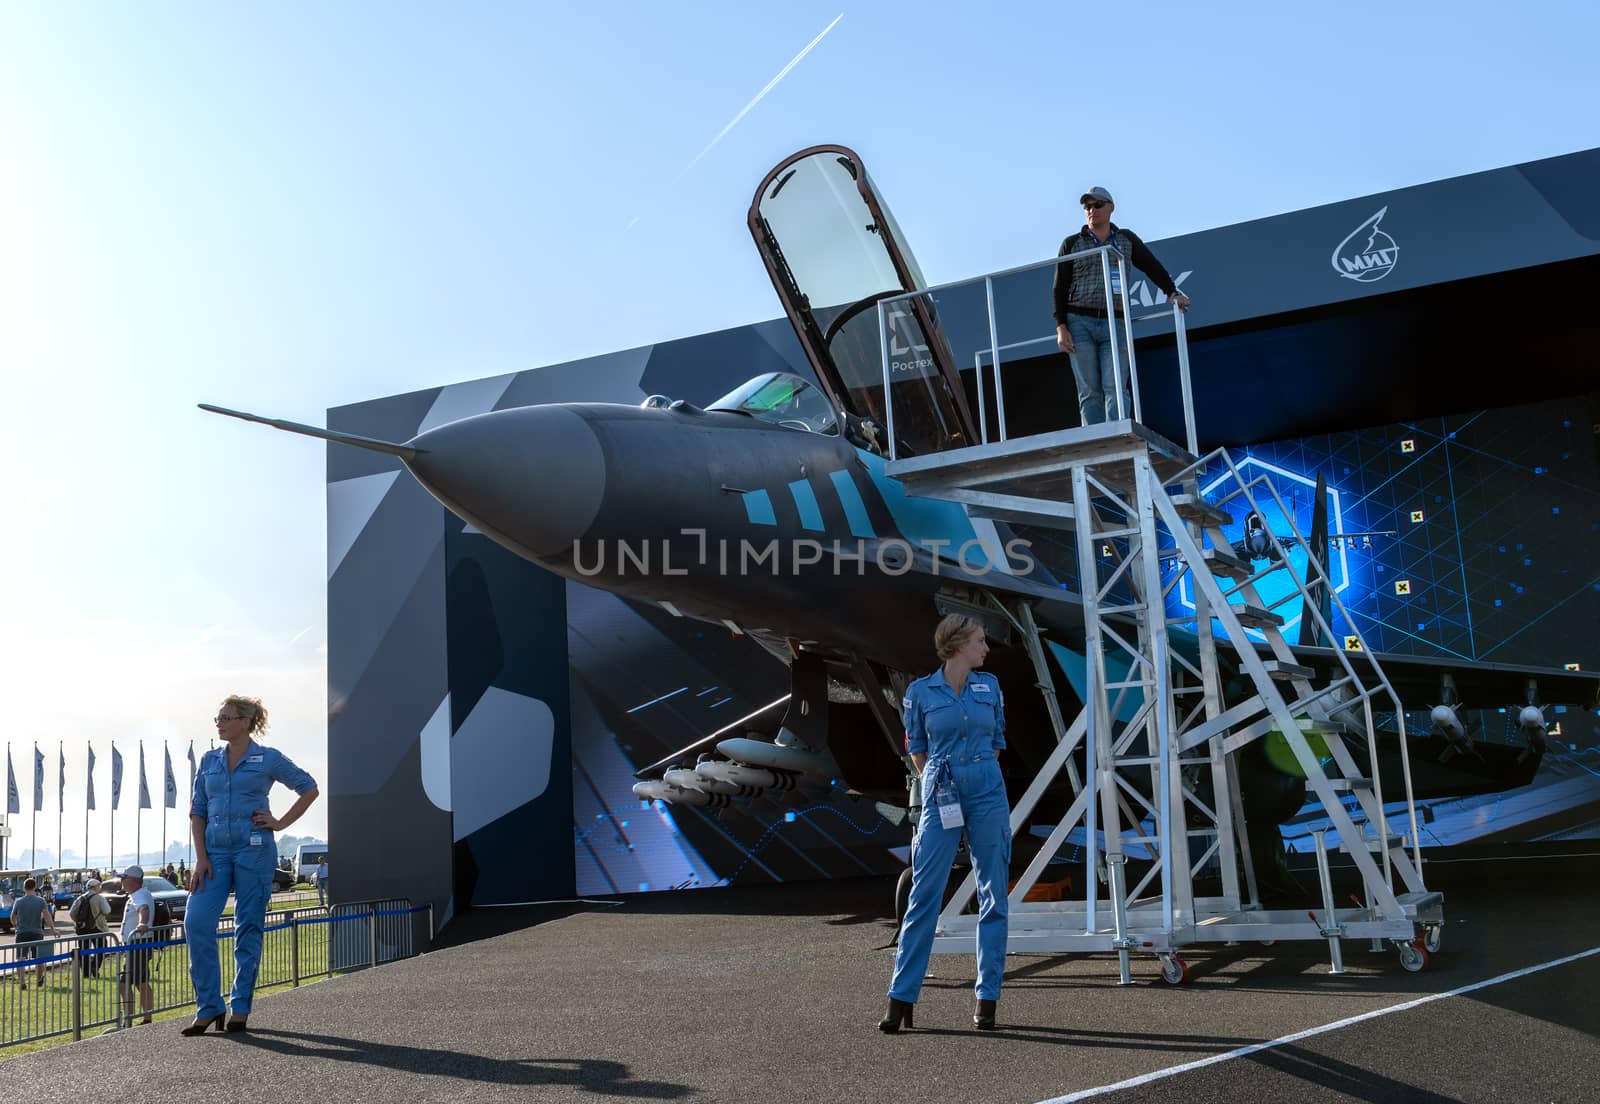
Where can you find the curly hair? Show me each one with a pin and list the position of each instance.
(954, 633)
(250, 709)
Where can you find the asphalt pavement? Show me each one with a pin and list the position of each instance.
(773, 995)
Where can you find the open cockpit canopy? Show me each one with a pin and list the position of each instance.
(833, 252)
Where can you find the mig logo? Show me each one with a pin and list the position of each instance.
(1368, 254)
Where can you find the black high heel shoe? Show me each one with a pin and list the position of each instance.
(200, 1027)
(240, 1023)
(983, 1015)
(900, 1013)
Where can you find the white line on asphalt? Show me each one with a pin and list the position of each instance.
(1146, 1078)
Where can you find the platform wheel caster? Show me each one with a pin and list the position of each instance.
(1174, 970)
(1432, 936)
(1266, 942)
(1414, 957)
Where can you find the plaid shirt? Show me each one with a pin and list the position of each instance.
(1080, 285)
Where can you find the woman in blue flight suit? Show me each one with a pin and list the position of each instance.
(231, 820)
(955, 725)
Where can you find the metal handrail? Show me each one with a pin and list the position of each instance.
(319, 944)
(1104, 252)
(1317, 572)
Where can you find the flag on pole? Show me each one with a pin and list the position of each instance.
(144, 787)
(191, 766)
(169, 798)
(13, 798)
(61, 778)
(90, 778)
(38, 778)
(116, 776)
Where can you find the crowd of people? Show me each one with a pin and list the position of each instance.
(33, 916)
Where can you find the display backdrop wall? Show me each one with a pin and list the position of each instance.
(486, 717)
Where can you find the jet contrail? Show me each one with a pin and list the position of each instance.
(723, 133)
(771, 84)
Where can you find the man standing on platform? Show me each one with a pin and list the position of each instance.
(1083, 323)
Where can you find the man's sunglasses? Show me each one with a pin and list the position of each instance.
(1095, 206)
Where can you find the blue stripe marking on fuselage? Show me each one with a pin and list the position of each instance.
(805, 500)
(921, 520)
(855, 511)
(758, 508)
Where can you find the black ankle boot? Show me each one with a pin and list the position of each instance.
(899, 1013)
(983, 1015)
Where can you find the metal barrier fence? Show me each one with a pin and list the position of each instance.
(76, 983)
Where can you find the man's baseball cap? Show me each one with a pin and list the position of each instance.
(1096, 192)
(134, 872)
(92, 883)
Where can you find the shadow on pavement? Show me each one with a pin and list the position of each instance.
(592, 1074)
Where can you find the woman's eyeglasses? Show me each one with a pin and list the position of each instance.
(223, 718)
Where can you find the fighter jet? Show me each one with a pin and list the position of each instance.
(1257, 544)
(756, 512)
(768, 512)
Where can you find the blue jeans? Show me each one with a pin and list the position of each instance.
(988, 828)
(1091, 367)
(246, 872)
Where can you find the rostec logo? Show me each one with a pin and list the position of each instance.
(907, 353)
(1368, 254)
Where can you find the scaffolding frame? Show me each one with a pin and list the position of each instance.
(1159, 797)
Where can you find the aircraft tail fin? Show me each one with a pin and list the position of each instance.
(1317, 549)
(371, 444)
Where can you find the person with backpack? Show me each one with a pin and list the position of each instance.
(90, 914)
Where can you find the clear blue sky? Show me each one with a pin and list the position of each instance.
(285, 208)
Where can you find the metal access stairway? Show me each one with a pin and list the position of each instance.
(1160, 792)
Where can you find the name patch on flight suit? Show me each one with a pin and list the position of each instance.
(255, 758)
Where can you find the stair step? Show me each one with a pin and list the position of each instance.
(1196, 509)
(1225, 564)
(1375, 843)
(1284, 671)
(1254, 617)
(1351, 785)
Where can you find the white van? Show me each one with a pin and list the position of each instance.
(307, 857)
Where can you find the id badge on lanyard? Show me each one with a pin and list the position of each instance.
(947, 800)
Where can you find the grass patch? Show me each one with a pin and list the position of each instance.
(35, 1017)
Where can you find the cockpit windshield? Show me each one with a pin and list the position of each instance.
(784, 400)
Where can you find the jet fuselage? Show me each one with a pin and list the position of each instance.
(768, 529)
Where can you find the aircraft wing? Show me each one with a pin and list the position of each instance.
(1481, 685)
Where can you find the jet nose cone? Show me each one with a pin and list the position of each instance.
(531, 477)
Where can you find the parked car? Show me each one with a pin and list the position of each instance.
(282, 880)
(177, 900)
